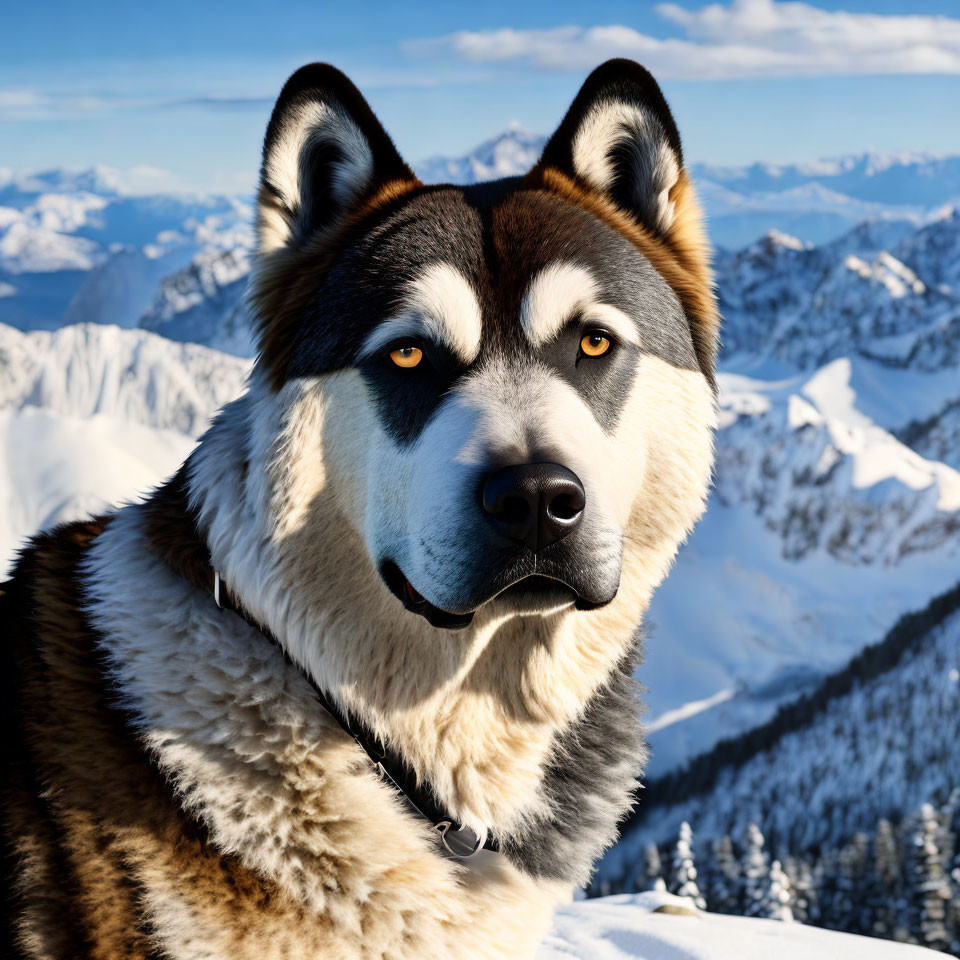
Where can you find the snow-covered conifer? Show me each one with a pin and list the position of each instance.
(723, 896)
(683, 871)
(930, 884)
(652, 868)
(778, 895)
(754, 872)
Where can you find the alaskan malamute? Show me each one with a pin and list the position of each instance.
(356, 682)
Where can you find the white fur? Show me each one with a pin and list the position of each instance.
(562, 291)
(608, 123)
(279, 785)
(287, 166)
(440, 305)
(326, 490)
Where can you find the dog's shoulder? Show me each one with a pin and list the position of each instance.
(41, 604)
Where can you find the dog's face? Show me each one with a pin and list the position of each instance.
(516, 377)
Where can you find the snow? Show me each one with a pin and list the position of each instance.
(26, 248)
(881, 749)
(510, 154)
(822, 529)
(55, 468)
(92, 415)
(637, 926)
(876, 454)
(135, 376)
(688, 710)
(818, 201)
(74, 248)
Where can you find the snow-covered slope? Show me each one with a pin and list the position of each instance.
(822, 530)
(57, 468)
(922, 179)
(91, 415)
(877, 739)
(836, 505)
(133, 375)
(205, 303)
(510, 154)
(73, 248)
(789, 302)
(640, 926)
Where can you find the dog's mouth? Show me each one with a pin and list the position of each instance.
(415, 602)
(530, 594)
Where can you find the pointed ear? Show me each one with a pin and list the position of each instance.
(617, 153)
(324, 154)
(619, 139)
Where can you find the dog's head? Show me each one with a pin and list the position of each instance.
(514, 380)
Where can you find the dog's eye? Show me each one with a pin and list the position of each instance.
(406, 356)
(595, 344)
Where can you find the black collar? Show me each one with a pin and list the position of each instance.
(456, 840)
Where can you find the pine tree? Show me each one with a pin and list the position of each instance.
(683, 875)
(851, 907)
(950, 855)
(801, 882)
(885, 881)
(652, 869)
(778, 895)
(724, 889)
(754, 872)
(931, 888)
(825, 873)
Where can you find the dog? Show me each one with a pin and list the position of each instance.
(357, 681)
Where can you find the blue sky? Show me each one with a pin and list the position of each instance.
(186, 88)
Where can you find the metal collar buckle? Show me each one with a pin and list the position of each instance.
(459, 842)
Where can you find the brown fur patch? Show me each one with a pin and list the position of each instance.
(682, 258)
(89, 819)
(285, 279)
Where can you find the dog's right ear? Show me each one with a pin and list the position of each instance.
(324, 154)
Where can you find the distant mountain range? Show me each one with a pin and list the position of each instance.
(813, 201)
(74, 249)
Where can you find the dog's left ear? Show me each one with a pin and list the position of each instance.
(324, 154)
(617, 153)
(619, 139)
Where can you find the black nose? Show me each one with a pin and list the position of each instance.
(535, 504)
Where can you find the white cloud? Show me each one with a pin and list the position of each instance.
(17, 98)
(747, 38)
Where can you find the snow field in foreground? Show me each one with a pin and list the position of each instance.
(626, 926)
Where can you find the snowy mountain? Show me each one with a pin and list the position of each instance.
(91, 415)
(510, 154)
(875, 740)
(205, 303)
(815, 201)
(835, 506)
(922, 179)
(788, 301)
(822, 529)
(73, 248)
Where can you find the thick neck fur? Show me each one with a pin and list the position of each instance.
(474, 711)
(524, 726)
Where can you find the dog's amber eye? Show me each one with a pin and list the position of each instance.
(595, 344)
(406, 356)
